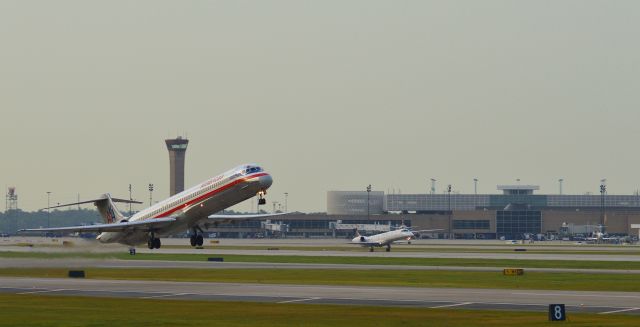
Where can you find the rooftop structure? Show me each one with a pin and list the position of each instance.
(518, 189)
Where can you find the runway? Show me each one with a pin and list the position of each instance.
(494, 299)
(160, 264)
(378, 254)
(319, 243)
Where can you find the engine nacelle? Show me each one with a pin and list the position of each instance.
(363, 239)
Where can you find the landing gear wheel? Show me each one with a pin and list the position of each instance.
(370, 249)
(193, 240)
(199, 240)
(150, 244)
(261, 199)
(156, 243)
(388, 248)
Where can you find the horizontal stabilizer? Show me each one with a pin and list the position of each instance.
(102, 198)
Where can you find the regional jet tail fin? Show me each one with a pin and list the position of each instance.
(106, 207)
(150, 224)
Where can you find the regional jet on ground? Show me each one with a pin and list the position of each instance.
(386, 238)
(188, 210)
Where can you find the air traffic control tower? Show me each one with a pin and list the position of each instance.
(177, 149)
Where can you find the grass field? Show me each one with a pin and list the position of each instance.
(32, 310)
(507, 263)
(407, 278)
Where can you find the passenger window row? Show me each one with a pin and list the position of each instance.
(189, 197)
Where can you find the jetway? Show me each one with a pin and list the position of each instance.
(638, 227)
(278, 227)
(338, 225)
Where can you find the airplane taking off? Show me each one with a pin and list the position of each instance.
(187, 210)
(386, 238)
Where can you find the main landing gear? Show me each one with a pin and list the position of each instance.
(388, 247)
(196, 238)
(153, 242)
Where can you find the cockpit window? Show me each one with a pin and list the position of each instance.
(251, 170)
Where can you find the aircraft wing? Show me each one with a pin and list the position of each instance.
(369, 243)
(147, 224)
(427, 230)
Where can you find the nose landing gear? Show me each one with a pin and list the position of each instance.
(261, 199)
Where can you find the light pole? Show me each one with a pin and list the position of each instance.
(433, 186)
(368, 192)
(48, 209)
(449, 210)
(560, 184)
(286, 195)
(603, 191)
(274, 206)
(475, 192)
(150, 194)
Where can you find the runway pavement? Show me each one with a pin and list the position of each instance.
(380, 253)
(532, 300)
(160, 264)
(330, 242)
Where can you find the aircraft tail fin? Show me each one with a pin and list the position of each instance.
(108, 210)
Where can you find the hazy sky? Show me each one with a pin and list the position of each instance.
(326, 95)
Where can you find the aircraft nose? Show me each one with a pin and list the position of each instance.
(266, 181)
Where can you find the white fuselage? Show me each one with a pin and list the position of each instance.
(383, 239)
(192, 206)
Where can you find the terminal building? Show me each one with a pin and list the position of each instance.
(515, 214)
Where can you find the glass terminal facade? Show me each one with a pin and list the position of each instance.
(514, 224)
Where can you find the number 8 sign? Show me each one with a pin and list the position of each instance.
(556, 312)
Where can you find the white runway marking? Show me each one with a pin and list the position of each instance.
(451, 305)
(42, 291)
(616, 311)
(164, 295)
(579, 295)
(300, 300)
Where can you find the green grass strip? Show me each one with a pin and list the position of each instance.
(458, 262)
(417, 248)
(404, 278)
(33, 310)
